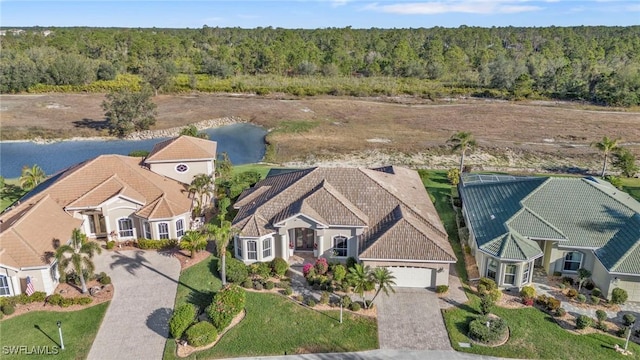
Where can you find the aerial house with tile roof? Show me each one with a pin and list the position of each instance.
(108, 197)
(382, 217)
(557, 224)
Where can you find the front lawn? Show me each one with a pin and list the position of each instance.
(534, 335)
(10, 193)
(273, 324)
(631, 186)
(38, 332)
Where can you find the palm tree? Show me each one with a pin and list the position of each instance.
(31, 177)
(193, 241)
(78, 253)
(222, 234)
(607, 146)
(360, 277)
(202, 186)
(462, 141)
(383, 278)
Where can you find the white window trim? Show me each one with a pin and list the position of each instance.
(146, 227)
(160, 233)
(270, 248)
(180, 228)
(514, 274)
(249, 251)
(564, 261)
(497, 269)
(180, 165)
(6, 287)
(346, 249)
(526, 272)
(239, 247)
(133, 228)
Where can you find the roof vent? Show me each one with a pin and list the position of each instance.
(493, 217)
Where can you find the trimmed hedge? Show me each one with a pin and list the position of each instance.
(583, 322)
(202, 333)
(227, 303)
(8, 309)
(236, 270)
(57, 299)
(279, 266)
(619, 296)
(181, 319)
(37, 296)
(147, 244)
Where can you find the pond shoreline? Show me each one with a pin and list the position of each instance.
(140, 135)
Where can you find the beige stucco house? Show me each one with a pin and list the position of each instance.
(381, 217)
(556, 224)
(110, 197)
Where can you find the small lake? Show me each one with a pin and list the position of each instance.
(243, 142)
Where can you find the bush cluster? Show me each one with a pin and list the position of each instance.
(583, 322)
(321, 266)
(596, 292)
(339, 272)
(279, 266)
(104, 279)
(354, 306)
(181, 319)
(59, 300)
(582, 298)
(227, 303)
(619, 296)
(260, 269)
(441, 289)
(479, 331)
(236, 270)
(8, 309)
(549, 303)
(571, 293)
(628, 319)
(528, 292)
(111, 244)
(201, 333)
(149, 244)
(487, 284)
(37, 296)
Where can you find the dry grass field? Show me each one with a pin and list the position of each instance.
(508, 133)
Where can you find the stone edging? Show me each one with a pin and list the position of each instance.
(186, 350)
(175, 131)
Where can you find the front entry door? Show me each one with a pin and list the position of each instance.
(304, 239)
(97, 224)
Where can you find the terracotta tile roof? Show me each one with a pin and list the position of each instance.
(182, 148)
(161, 208)
(23, 243)
(346, 196)
(105, 191)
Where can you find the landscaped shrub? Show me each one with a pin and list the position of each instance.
(37, 296)
(489, 284)
(528, 292)
(560, 312)
(310, 302)
(227, 303)
(628, 319)
(306, 269)
(581, 298)
(264, 270)
(542, 300)
(321, 266)
(148, 244)
(622, 331)
(441, 289)
(181, 319)
(568, 280)
(269, 285)
(583, 322)
(236, 270)
(562, 286)
(8, 309)
(482, 289)
(111, 244)
(202, 333)
(479, 331)
(279, 266)
(596, 292)
(619, 296)
(553, 304)
(369, 285)
(257, 285)
(59, 300)
(527, 301)
(288, 291)
(339, 272)
(351, 262)
(595, 300)
(495, 294)
(299, 298)
(354, 306)
(104, 278)
(486, 305)
(346, 301)
(601, 315)
(602, 326)
(589, 284)
(324, 298)
(247, 284)
(571, 293)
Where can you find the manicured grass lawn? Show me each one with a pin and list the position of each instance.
(534, 335)
(631, 186)
(261, 169)
(11, 192)
(273, 324)
(39, 329)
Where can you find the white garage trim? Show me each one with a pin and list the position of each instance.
(414, 277)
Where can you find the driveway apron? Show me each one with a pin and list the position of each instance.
(136, 323)
(410, 319)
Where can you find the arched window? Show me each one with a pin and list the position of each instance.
(340, 246)
(163, 230)
(125, 227)
(572, 261)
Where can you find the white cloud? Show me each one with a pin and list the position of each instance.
(338, 3)
(456, 6)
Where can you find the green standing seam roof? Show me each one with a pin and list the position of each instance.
(505, 213)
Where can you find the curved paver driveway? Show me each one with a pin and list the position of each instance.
(410, 319)
(136, 323)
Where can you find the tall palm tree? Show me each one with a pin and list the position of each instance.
(607, 146)
(360, 277)
(202, 186)
(222, 234)
(78, 253)
(193, 241)
(31, 177)
(384, 280)
(462, 141)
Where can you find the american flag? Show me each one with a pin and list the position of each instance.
(30, 289)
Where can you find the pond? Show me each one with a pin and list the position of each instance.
(243, 142)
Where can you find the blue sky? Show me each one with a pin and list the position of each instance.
(320, 13)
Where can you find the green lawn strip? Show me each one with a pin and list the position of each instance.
(11, 192)
(274, 325)
(39, 329)
(533, 335)
(438, 186)
(199, 283)
(260, 168)
(631, 186)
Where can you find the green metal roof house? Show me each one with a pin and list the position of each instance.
(558, 224)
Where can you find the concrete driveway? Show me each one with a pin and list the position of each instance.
(136, 323)
(410, 319)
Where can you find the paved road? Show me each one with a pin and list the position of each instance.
(410, 319)
(136, 323)
(382, 355)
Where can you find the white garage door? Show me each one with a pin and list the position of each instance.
(412, 276)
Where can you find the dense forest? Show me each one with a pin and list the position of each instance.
(596, 64)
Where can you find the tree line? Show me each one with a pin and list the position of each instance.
(597, 64)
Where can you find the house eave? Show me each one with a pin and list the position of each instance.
(508, 259)
(176, 160)
(410, 260)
